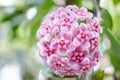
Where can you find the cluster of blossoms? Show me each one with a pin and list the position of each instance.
(68, 41)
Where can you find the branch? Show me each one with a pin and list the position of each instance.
(83, 76)
(97, 9)
(68, 2)
(92, 74)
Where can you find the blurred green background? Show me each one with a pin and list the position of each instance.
(19, 21)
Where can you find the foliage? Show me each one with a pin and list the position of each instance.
(99, 75)
(35, 22)
(106, 19)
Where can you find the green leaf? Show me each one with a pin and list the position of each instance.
(74, 2)
(46, 72)
(115, 48)
(99, 75)
(115, 61)
(107, 19)
(7, 16)
(116, 1)
(28, 76)
(115, 43)
(57, 76)
(41, 12)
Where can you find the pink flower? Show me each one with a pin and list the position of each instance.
(94, 43)
(95, 25)
(63, 42)
(81, 13)
(84, 35)
(58, 63)
(96, 55)
(77, 55)
(69, 41)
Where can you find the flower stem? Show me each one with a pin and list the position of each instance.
(97, 9)
(82, 77)
(92, 75)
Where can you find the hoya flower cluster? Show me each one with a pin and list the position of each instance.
(68, 41)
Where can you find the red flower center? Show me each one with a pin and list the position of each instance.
(58, 64)
(66, 20)
(62, 42)
(48, 51)
(48, 29)
(83, 35)
(77, 57)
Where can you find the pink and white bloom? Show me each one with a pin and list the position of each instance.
(69, 41)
